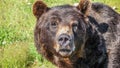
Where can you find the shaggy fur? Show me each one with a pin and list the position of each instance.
(107, 22)
(91, 32)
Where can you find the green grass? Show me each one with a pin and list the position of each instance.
(113, 3)
(14, 56)
(16, 33)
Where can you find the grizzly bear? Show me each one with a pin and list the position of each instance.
(83, 36)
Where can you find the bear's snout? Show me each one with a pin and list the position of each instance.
(65, 44)
(64, 40)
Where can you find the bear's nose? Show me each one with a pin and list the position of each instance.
(64, 40)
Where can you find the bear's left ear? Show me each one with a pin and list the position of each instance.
(39, 8)
(84, 6)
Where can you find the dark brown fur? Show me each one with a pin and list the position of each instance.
(107, 22)
(95, 28)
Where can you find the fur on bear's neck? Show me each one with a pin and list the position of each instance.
(73, 62)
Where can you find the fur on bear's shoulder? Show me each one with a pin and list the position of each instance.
(107, 22)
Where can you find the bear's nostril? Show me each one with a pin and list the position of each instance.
(65, 39)
(60, 39)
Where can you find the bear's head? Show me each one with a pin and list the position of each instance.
(61, 30)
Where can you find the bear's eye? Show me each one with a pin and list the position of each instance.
(53, 24)
(75, 26)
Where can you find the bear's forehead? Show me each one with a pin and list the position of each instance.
(64, 11)
(64, 14)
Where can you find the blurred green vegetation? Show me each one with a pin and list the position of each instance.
(16, 32)
(115, 4)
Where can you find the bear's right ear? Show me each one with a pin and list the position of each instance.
(84, 6)
(39, 8)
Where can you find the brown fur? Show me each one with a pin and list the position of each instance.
(90, 29)
(39, 8)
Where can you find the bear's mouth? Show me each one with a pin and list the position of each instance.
(65, 52)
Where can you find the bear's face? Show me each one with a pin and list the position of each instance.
(61, 28)
(66, 26)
